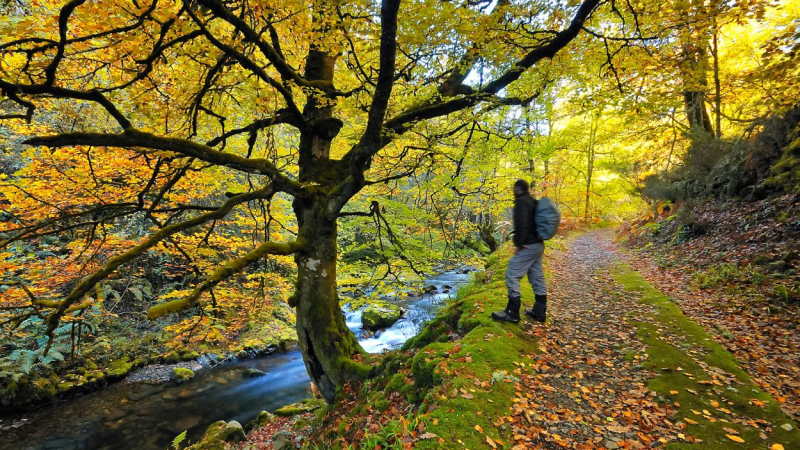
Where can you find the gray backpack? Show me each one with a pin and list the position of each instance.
(547, 218)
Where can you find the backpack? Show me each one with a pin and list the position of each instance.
(547, 218)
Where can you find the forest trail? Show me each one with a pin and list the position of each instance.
(581, 378)
(619, 366)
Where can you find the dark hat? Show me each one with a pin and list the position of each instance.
(522, 184)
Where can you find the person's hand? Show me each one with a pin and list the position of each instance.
(517, 250)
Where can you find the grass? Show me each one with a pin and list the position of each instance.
(698, 375)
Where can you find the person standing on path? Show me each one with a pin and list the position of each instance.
(527, 259)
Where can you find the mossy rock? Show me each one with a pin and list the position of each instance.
(172, 357)
(28, 392)
(219, 434)
(64, 387)
(82, 381)
(46, 386)
(302, 407)
(189, 356)
(118, 369)
(380, 315)
(95, 374)
(182, 374)
(262, 419)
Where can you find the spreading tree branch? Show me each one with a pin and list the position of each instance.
(62, 307)
(132, 138)
(222, 273)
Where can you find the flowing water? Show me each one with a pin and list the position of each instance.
(141, 416)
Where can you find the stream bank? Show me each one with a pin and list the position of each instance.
(146, 416)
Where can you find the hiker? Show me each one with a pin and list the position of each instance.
(527, 259)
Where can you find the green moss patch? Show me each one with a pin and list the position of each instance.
(302, 407)
(182, 374)
(456, 374)
(712, 395)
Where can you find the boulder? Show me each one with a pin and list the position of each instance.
(182, 374)
(254, 373)
(218, 434)
(282, 440)
(430, 289)
(262, 419)
(282, 444)
(380, 315)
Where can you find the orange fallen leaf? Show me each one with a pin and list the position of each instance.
(479, 429)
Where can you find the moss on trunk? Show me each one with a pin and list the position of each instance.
(326, 342)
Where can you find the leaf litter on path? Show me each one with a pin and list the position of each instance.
(584, 390)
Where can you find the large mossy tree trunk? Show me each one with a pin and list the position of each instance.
(324, 339)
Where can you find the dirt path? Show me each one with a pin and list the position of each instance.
(582, 387)
(614, 371)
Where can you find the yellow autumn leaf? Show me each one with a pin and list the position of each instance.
(735, 438)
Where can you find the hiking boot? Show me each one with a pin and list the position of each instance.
(511, 313)
(504, 316)
(539, 310)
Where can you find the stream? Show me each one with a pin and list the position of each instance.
(142, 416)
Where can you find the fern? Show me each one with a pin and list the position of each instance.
(26, 361)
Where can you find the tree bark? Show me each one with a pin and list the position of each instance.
(717, 87)
(696, 111)
(590, 157)
(324, 339)
(694, 69)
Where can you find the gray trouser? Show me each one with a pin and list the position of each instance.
(527, 261)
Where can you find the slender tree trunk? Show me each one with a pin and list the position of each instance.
(694, 69)
(590, 165)
(696, 112)
(717, 88)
